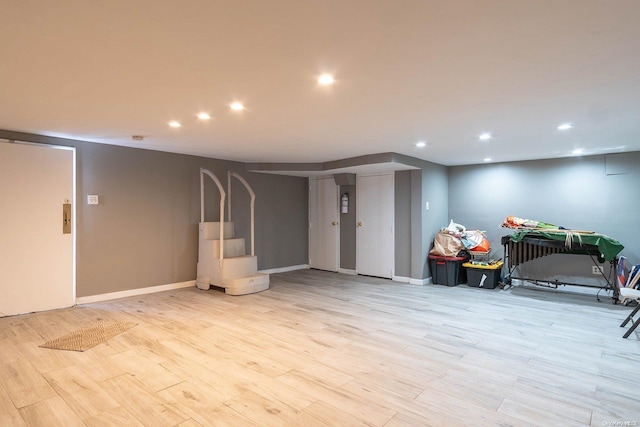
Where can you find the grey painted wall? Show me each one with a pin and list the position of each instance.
(573, 192)
(415, 225)
(435, 183)
(348, 230)
(282, 219)
(402, 216)
(144, 231)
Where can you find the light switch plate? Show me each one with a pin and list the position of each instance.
(92, 199)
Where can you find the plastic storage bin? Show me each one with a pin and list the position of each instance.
(447, 271)
(483, 276)
(479, 256)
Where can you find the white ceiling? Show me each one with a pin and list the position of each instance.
(406, 70)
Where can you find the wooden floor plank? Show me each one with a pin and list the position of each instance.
(83, 395)
(148, 408)
(221, 416)
(24, 384)
(9, 415)
(115, 417)
(53, 412)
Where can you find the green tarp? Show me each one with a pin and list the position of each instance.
(607, 246)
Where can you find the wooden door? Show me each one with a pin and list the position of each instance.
(36, 258)
(374, 225)
(323, 224)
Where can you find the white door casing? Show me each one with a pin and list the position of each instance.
(324, 228)
(37, 267)
(375, 244)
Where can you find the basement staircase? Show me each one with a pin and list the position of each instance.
(222, 258)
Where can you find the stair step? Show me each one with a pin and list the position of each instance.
(241, 266)
(211, 230)
(247, 285)
(211, 248)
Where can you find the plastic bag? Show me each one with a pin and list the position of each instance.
(445, 244)
(484, 246)
(456, 228)
(472, 238)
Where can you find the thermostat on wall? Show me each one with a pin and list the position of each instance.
(92, 199)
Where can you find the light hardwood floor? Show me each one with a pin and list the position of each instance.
(324, 348)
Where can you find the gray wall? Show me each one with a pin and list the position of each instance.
(144, 231)
(348, 230)
(282, 219)
(402, 215)
(435, 184)
(415, 225)
(579, 193)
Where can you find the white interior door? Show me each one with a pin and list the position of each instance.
(323, 224)
(375, 246)
(36, 258)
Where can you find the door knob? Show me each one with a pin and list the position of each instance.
(334, 223)
(360, 224)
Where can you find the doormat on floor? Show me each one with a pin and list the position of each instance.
(89, 337)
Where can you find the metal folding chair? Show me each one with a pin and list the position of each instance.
(633, 295)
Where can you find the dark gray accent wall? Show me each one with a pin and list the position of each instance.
(348, 230)
(578, 193)
(415, 225)
(435, 184)
(402, 216)
(282, 219)
(144, 232)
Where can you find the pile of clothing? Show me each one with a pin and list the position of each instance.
(456, 241)
(531, 224)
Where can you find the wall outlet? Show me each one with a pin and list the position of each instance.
(597, 269)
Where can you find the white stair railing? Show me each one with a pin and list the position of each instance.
(215, 179)
(253, 202)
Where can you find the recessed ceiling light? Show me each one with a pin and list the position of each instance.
(326, 79)
(565, 126)
(577, 151)
(421, 144)
(237, 106)
(174, 124)
(485, 136)
(487, 159)
(204, 115)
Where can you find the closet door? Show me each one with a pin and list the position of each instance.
(36, 249)
(374, 225)
(323, 224)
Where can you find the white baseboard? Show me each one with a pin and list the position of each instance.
(411, 281)
(285, 269)
(134, 292)
(347, 271)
